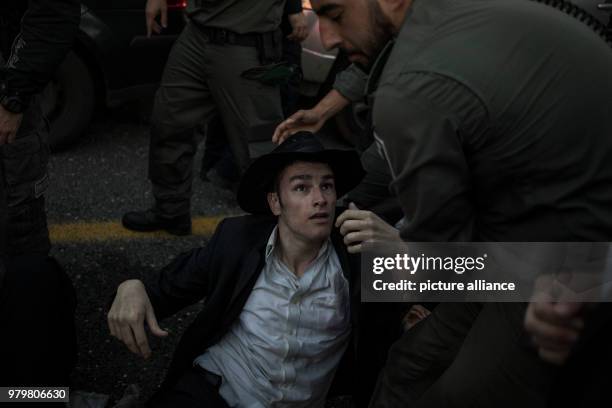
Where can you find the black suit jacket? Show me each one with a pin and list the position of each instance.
(224, 272)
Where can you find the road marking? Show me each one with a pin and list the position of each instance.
(114, 231)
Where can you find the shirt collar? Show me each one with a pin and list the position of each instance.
(271, 245)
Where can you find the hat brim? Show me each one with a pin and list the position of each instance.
(258, 178)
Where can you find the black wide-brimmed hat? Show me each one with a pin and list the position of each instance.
(259, 178)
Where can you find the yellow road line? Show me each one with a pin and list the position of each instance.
(113, 230)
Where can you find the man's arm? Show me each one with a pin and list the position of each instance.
(348, 87)
(297, 19)
(128, 314)
(47, 33)
(418, 129)
(182, 283)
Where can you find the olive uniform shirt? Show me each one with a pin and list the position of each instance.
(496, 119)
(239, 16)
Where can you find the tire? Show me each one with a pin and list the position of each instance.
(69, 101)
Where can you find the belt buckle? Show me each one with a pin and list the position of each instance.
(222, 36)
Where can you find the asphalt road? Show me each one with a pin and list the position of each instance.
(92, 185)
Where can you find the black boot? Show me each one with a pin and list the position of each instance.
(151, 220)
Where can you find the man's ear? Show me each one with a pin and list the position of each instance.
(394, 9)
(274, 203)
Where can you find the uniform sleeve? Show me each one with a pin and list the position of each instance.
(420, 122)
(351, 83)
(185, 281)
(47, 33)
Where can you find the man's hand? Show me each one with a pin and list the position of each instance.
(414, 315)
(300, 27)
(358, 226)
(554, 327)
(153, 9)
(126, 318)
(313, 119)
(301, 121)
(9, 125)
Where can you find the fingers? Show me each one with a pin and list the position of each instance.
(415, 315)
(164, 17)
(152, 9)
(554, 357)
(548, 333)
(557, 314)
(111, 325)
(355, 249)
(355, 241)
(141, 341)
(282, 131)
(289, 126)
(553, 329)
(356, 226)
(568, 309)
(156, 27)
(420, 311)
(352, 215)
(149, 20)
(127, 337)
(153, 325)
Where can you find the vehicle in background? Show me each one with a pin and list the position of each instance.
(112, 62)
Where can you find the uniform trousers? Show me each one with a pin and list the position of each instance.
(201, 80)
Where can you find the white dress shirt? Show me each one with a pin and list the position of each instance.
(289, 338)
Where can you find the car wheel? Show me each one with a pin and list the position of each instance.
(68, 101)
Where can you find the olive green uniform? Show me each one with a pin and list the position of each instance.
(202, 79)
(495, 118)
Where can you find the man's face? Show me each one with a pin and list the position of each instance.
(306, 201)
(358, 27)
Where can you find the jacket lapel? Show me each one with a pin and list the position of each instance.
(252, 265)
(340, 248)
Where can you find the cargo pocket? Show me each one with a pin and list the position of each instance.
(25, 167)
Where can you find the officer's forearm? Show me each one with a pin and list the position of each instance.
(331, 104)
(47, 32)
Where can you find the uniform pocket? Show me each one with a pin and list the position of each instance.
(25, 161)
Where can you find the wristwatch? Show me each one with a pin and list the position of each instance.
(12, 102)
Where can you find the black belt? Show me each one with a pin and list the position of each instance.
(221, 36)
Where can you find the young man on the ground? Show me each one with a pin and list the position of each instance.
(276, 319)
